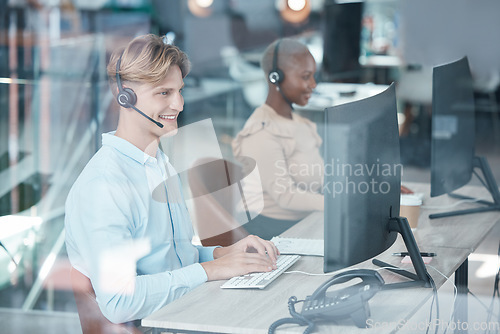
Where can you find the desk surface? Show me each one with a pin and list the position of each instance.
(211, 309)
(329, 94)
(380, 61)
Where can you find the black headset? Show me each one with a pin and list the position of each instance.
(276, 76)
(126, 96)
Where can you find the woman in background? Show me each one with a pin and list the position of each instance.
(284, 144)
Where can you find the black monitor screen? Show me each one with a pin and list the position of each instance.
(341, 35)
(362, 179)
(453, 127)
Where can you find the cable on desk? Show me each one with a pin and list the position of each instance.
(308, 274)
(336, 272)
(496, 293)
(455, 293)
(434, 298)
(297, 318)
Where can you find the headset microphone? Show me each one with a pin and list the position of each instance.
(143, 114)
(126, 96)
(276, 76)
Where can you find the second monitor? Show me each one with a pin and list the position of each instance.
(363, 184)
(453, 160)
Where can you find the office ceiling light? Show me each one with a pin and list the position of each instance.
(205, 3)
(294, 11)
(296, 5)
(200, 8)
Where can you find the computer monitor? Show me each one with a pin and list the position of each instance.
(453, 159)
(341, 39)
(363, 184)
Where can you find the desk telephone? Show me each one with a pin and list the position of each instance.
(351, 301)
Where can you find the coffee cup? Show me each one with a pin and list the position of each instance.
(410, 208)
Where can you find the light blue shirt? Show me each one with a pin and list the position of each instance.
(124, 195)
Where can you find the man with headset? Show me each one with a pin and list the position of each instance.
(110, 208)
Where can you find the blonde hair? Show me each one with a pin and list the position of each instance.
(146, 59)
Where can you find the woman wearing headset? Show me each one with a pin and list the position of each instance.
(284, 144)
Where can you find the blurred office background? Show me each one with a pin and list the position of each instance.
(55, 101)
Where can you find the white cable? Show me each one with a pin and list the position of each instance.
(454, 298)
(336, 272)
(308, 274)
(388, 268)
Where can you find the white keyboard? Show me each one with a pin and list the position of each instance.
(261, 280)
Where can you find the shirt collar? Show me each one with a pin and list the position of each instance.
(126, 148)
(266, 117)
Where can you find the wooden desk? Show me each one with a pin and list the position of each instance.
(211, 309)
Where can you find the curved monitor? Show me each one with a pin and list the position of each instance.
(453, 127)
(453, 160)
(362, 179)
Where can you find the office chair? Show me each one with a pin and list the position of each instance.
(251, 79)
(214, 204)
(91, 318)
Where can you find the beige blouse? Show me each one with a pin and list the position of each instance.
(288, 159)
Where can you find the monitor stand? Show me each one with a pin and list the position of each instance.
(489, 183)
(421, 278)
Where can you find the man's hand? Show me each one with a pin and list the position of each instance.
(251, 254)
(250, 244)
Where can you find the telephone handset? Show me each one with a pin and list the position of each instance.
(351, 301)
